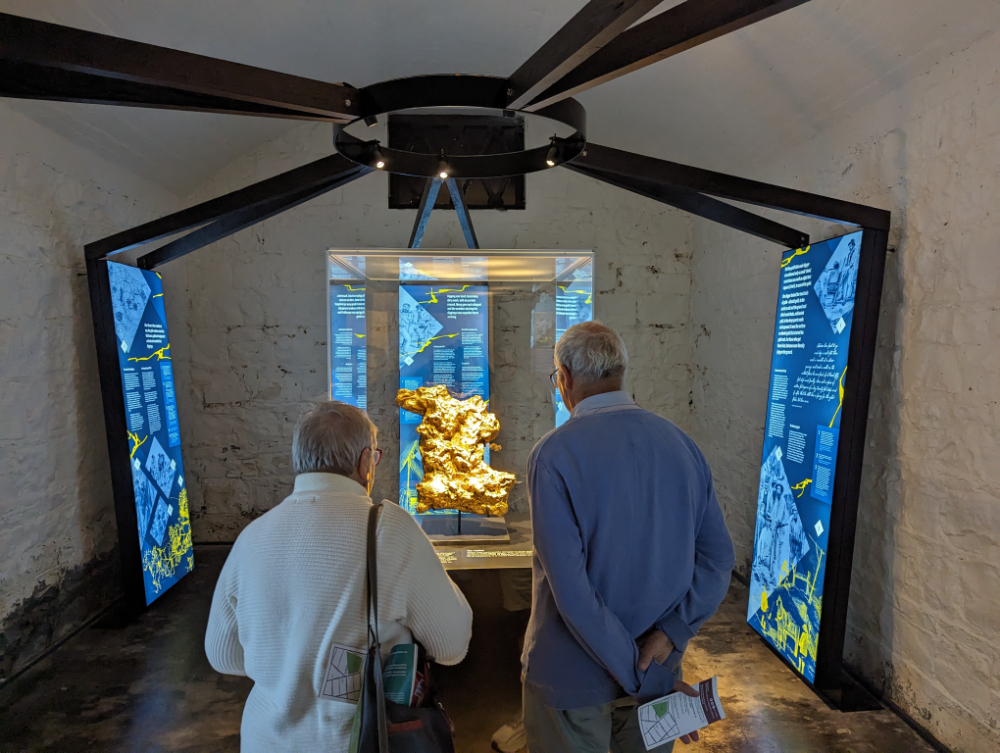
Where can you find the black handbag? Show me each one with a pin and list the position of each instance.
(387, 727)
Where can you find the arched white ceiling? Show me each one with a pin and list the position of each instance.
(721, 105)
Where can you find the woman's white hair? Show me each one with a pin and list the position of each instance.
(330, 439)
(592, 352)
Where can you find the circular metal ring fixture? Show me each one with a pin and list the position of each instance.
(484, 92)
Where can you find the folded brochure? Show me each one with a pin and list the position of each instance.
(677, 714)
(401, 676)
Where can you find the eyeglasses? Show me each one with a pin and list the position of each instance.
(553, 377)
(378, 454)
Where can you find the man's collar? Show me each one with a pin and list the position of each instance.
(330, 483)
(602, 400)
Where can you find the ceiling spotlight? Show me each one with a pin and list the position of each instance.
(553, 154)
(376, 156)
(443, 170)
(371, 120)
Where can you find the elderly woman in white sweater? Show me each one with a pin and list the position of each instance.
(293, 589)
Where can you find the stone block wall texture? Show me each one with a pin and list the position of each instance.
(256, 334)
(58, 556)
(924, 621)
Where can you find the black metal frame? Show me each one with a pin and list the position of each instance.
(44, 61)
(480, 92)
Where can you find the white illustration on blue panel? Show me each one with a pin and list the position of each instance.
(161, 467)
(780, 536)
(416, 328)
(129, 295)
(145, 497)
(838, 281)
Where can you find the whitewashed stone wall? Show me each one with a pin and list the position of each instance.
(256, 319)
(925, 610)
(57, 527)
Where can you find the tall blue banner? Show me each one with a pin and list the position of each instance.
(574, 304)
(161, 500)
(348, 354)
(805, 399)
(443, 339)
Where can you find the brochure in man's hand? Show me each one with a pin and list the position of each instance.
(402, 675)
(677, 714)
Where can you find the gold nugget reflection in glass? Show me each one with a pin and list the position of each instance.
(452, 438)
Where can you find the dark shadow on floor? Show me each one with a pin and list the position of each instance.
(148, 687)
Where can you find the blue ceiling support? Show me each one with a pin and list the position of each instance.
(427, 202)
(424, 213)
(464, 218)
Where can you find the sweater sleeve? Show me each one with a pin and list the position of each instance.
(714, 559)
(436, 610)
(222, 639)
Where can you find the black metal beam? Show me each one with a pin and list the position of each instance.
(464, 218)
(680, 28)
(703, 206)
(243, 218)
(424, 213)
(617, 162)
(61, 48)
(314, 174)
(116, 428)
(850, 461)
(597, 23)
(27, 81)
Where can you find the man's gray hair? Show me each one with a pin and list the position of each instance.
(330, 439)
(592, 352)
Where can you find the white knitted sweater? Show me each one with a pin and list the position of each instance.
(294, 585)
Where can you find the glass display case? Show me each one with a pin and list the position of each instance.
(451, 355)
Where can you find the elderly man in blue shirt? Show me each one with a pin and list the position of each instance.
(631, 556)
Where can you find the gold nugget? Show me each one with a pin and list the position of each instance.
(452, 438)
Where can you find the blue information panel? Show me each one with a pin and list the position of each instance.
(443, 339)
(348, 354)
(161, 498)
(808, 366)
(574, 304)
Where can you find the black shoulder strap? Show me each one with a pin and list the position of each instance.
(373, 670)
(372, 546)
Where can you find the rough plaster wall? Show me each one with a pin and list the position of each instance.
(57, 527)
(256, 334)
(925, 609)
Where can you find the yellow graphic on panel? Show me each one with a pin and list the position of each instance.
(792, 625)
(588, 293)
(801, 487)
(798, 252)
(409, 460)
(840, 389)
(423, 347)
(159, 355)
(161, 562)
(433, 293)
(137, 443)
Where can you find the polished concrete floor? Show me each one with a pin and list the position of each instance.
(148, 687)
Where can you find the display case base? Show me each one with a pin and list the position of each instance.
(448, 530)
(495, 554)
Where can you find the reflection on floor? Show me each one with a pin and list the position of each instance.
(148, 687)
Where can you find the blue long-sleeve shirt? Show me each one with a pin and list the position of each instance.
(628, 536)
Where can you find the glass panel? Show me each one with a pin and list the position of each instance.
(482, 323)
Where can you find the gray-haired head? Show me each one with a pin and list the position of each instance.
(330, 439)
(592, 352)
